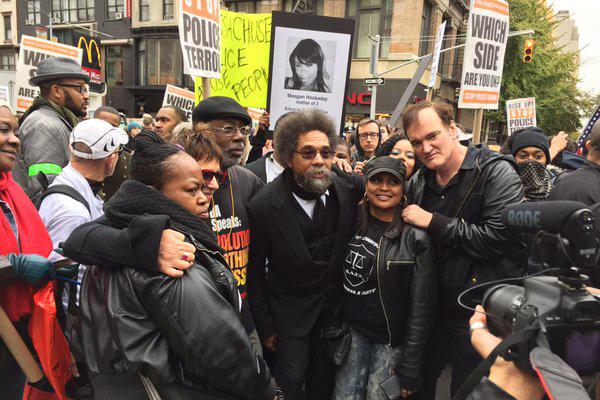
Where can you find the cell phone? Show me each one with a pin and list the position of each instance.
(391, 387)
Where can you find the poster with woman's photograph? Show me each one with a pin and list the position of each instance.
(309, 66)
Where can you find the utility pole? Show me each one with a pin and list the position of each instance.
(373, 70)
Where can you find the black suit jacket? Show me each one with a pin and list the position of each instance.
(289, 297)
(258, 167)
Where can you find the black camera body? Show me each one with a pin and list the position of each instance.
(567, 316)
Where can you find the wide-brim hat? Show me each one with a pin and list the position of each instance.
(58, 68)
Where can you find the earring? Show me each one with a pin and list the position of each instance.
(404, 201)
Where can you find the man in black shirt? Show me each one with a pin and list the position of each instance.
(301, 222)
(457, 198)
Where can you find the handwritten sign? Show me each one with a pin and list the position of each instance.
(520, 113)
(487, 34)
(200, 37)
(181, 98)
(32, 52)
(245, 44)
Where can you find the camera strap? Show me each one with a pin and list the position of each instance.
(484, 367)
(560, 381)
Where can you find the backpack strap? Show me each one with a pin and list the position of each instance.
(67, 191)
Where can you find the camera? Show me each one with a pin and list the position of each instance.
(567, 316)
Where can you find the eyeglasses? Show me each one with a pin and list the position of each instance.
(82, 89)
(231, 130)
(309, 154)
(209, 174)
(365, 135)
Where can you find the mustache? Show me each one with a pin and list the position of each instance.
(312, 171)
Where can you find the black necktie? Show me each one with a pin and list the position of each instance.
(320, 213)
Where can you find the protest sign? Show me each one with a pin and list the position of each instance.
(310, 64)
(520, 113)
(487, 34)
(34, 50)
(4, 94)
(200, 37)
(245, 44)
(436, 53)
(181, 98)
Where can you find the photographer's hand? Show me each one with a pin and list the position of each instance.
(504, 374)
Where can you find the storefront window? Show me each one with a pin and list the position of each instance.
(114, 65)
(160, 62)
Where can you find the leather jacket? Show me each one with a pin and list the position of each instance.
(182, 332)
(407, 282)
(471, 242)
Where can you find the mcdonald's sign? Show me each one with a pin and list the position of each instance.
(90, 62)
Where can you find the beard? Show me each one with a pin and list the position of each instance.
(315, 185)
(72, 105)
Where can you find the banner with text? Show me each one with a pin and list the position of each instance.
(439, 41)
(200, 37)
(520, 113)
(32, 51)
(181, 98)
(487, 34)
(245, 44)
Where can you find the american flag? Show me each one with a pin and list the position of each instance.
(588, 128)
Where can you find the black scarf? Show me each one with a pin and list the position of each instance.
(536, 180)
(290, 182)
(134, 198)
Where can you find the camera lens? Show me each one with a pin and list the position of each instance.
(503, 302)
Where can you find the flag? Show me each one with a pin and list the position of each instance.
(588, 129)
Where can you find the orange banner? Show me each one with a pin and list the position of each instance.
(44, 46)
(202, 8)
(493, 5)
(480, 96)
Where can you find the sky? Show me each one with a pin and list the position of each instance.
(586, 14)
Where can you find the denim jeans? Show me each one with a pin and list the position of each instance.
(368, 364)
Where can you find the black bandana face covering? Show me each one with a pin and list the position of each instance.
(536, 180)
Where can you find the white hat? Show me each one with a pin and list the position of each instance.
(102, 138)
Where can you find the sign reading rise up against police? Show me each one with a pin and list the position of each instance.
(520, 113)
(32, 52)
(200, 37)
(487, 34)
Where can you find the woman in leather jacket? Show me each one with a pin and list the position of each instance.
(140, 331)
(389, 290)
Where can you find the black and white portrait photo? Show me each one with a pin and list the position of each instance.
(311, 65)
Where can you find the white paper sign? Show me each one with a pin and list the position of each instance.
(487, 34)
(4, 94)
(436, 53)
(520, 113)
(182, 98)
(33, 50)
(200, 37)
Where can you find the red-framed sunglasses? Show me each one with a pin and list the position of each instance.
(209, 174)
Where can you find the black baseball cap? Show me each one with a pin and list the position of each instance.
(387, 164)
(219, 107)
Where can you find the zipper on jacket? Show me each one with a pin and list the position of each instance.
(387, 321)
(401, 262)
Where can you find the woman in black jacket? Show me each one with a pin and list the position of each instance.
(389, 290)
(141, 331)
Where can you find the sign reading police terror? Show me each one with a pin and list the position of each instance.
(200, 37)
(181, 98)
(245, 44)
(487, 34)
(520, 113)
(31, 53)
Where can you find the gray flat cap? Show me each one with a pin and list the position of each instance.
(58, 68)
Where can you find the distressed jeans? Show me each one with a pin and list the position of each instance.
(368, 364)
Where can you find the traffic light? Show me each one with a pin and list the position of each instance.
(528, 50)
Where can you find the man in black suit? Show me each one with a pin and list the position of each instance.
(301, 222)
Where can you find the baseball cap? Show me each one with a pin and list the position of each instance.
(102, 138)
(219, 107)
(387, 164)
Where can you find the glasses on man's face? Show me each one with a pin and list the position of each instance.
(209, 174)
(82, 89)
(366, 135)
(309, 154)
(230, 130)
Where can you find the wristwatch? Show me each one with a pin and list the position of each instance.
(477, 325)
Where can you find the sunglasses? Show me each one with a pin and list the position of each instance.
(309, 154)
(209, 174)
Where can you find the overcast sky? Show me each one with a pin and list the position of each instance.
(586, 14)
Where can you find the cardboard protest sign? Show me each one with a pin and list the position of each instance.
(181, 98)
(34, 50)
(200, 37)
(245, 45)
(487, 34)
(436, 53)
(310, 64)
(520, 113)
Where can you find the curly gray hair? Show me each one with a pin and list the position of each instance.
(292, 125)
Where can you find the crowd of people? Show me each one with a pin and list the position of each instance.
(312, 266)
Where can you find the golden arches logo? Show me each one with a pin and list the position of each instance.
(88, 48)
